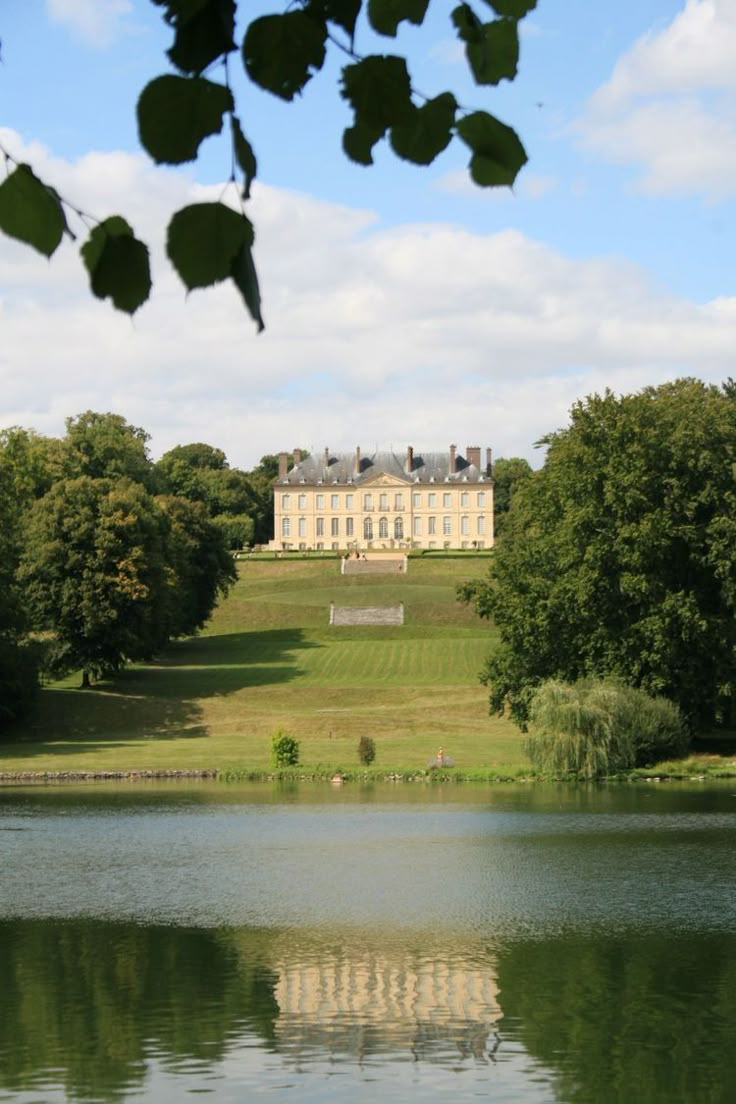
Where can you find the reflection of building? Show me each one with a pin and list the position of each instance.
(429, 500)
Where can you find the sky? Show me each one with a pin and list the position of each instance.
(403, 305)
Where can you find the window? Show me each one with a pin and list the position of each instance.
(447, 525)
(465, 499)
(285, 502)
(335, 527)
(398, 502)
(447, 500)
(349, 527)
(348, 502)
(334, 502)
(286, 527)
(464, 525)
(383, 529)
(368, 502)
(302, 546)
(320, 502)
(302, 527)
(417, 527)
(481, 524)
(432, 525)
(432, 500)
(320, 546)
(334, 546)
(416, 499)
(320, 527)
(367, 529)
(302, 502)
(481, 498)
(398, 528)
(383, 502)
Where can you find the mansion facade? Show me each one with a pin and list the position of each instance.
(356, 502)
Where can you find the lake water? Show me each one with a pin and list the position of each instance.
(527, 943)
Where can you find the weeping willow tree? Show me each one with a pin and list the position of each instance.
(597, 727)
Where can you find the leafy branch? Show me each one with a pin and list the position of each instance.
(208, 243)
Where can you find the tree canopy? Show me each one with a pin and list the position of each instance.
(619, 555)
(211, 242)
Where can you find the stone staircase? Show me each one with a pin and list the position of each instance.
(367, 615)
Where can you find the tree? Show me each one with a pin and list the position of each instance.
(106, 446)
(202, 567)
(94, 574)
(18, 667)
(619, 555)
(208, 243)
(507, 475)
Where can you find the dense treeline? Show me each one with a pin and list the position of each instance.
(106, 555)
(618, 557)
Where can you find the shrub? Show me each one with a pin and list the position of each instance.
(284, 749)
(366, 750)
(597, 727)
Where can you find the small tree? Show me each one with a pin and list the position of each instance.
(366, 750)
(284, 749)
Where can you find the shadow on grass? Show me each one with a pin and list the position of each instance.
(235, 649)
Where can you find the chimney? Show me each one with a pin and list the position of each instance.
(453, 460)
(357, 460)
(327, 458)
(489, 462)
(297, 457)
(409, 459)
(283, 465)
(472, 455)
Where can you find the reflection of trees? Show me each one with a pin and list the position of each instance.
(91, 1002)
(640, 1018)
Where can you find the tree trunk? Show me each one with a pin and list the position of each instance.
(86, 684)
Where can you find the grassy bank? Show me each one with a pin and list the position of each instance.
(269, 659)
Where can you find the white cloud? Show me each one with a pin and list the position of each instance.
(95, 21)
(418, 334)
(669, 104)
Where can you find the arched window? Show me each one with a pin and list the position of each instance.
(368, 529)
(383, 529)
(399, 529)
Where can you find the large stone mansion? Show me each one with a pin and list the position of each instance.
(352, 501)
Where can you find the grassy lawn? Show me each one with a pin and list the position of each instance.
(269, 659)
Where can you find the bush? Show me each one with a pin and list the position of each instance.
(599, 727)
(366, 750)
(284, 750)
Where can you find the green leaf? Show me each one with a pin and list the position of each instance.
(385, 15)
(31, 212)
(498, 155)
(203, 241)
(244, 154)
(281, 52)
(117, 264)
(429, 132)
(514, 9)
(245, 278)
(469, 26)
(343, 12)
(175, 114)
(379, 91)
(205, 31)
(358, 142)
(495, 54)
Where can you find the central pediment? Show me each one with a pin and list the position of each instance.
(383, 479)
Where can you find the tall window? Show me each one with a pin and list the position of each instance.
(368, 529)
(481, 524)
(320, 502)
(432, 500)
(320, 527)
(334, 501)
(349, 527)
(464, 525)
(398, 528)
(446, 525)
(335, 527)
(348, 502)
(302, 527)
(368, 502)
(286, 527)
(383, 503)
(416, 499)
(302, 502)
(432, 525)
(398, 501)
(417, 527)
(447, 500)
(383, 528)
(285, 502)
(481, 498)
(464, 499)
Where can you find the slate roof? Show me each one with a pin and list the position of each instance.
(427, 467)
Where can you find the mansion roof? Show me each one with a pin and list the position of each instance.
(358, 468)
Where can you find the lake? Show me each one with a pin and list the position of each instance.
(517, 943)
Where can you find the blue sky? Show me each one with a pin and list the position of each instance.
(403, 305)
